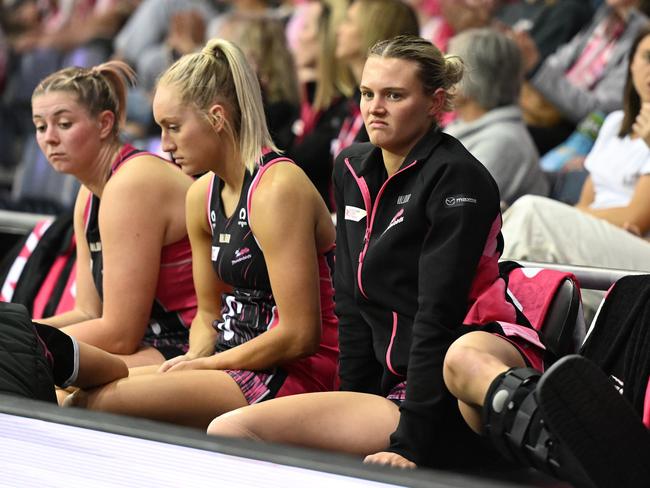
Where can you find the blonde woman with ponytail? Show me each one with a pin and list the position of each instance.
(134, 290)
(418, 241)
(260, 235)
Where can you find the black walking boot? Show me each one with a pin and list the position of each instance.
(570, 423)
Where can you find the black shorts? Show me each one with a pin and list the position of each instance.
(61, 351)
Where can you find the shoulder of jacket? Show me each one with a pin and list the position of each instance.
(354, 154)
(357, 150)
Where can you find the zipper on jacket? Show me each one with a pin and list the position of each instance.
(389, 364)
(371, 211)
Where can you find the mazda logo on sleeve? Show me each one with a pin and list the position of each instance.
(459, 200)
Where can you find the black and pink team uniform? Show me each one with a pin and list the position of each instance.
(417, 267)
(174, 306)
(250, 310)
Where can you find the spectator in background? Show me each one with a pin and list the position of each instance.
(262, 39)
(432, 24)
(4, 46)
(46, 36)
(80, 22)
(440, 20)
(367, 22)
(489, 122)
(548, 23)
(325, 82)
(584, 75)
(142, 40)
(158, 33)
(615, 196)
(250, 8)
(6, 135)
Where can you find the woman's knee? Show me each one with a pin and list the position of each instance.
(524, 212)
(462, 358)
(474, 359)
(232, 424)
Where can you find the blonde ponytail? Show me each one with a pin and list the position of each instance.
(219, 73)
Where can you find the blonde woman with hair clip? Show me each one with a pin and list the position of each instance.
(260, 237)
(135, 295)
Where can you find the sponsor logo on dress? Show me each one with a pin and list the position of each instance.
(215, 253)
(459, 201)
(213, 219)
(95, 246)
(242, 218)
(224, 238)
(242, 254)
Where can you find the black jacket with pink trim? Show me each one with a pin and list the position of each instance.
(413, 253)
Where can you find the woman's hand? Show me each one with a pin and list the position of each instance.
(632, 229)
(188, 363)
(390, 459)
(576, 163)
(170, 363)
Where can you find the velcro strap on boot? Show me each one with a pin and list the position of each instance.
(507, 393)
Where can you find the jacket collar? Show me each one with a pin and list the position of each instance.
(421, 151)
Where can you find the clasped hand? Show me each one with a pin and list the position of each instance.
(185, 362)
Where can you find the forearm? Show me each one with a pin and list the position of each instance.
(265, 351)
(576, 103)
(67, 318)
(359, 369)
(105, 335)
(618, 216)
(97, 367)
(203, 337)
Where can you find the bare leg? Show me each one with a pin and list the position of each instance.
(192, 398)
(140, 370)
(354, 423)
(62, 394)
(471, 364)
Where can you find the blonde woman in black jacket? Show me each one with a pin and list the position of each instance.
(417, 245)
(431, 347)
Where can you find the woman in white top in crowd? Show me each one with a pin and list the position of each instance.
(615, 198)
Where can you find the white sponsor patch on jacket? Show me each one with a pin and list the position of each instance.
(354, 213)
